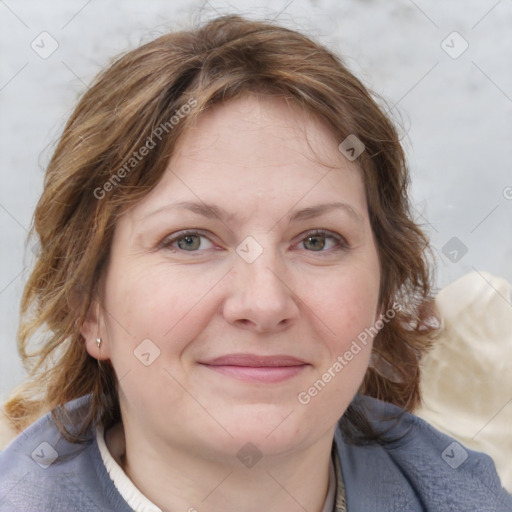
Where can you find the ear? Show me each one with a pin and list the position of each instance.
(93, 329)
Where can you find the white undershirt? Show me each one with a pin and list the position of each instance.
(139, 503)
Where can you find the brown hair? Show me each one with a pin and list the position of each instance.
(141, 91)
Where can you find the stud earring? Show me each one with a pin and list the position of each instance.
(98, 342)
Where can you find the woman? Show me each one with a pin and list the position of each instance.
(235, 296)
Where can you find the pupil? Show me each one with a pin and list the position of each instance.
(188, 242)
(317, 243)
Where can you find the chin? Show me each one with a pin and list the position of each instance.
(273, 429)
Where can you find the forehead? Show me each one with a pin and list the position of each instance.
(257, 149)
(241, 128)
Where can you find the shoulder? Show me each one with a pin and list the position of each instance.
(43, 471)
(418, 467)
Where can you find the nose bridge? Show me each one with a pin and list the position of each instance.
(262, 276)
(261, 298)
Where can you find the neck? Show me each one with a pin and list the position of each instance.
(176, 480)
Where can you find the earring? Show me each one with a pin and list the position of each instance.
(98, 342)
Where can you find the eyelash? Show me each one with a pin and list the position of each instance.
(341, 243)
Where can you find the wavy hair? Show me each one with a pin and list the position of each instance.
(142, 90)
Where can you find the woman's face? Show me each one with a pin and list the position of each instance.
(237, 286)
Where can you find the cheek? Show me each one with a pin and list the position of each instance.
(346, 308)
(346, 304)
(157, 302)
(160, 304)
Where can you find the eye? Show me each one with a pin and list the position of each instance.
(322, 241)
(190, 241)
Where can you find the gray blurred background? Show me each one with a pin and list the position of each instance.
(441, 68)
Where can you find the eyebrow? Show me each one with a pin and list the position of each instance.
(211, 211)
(321, 209)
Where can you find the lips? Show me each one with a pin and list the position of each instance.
(257, 368)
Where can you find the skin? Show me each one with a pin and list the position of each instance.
(184, 422)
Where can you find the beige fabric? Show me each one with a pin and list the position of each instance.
(467, 378)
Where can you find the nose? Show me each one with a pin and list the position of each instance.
(261, 296)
